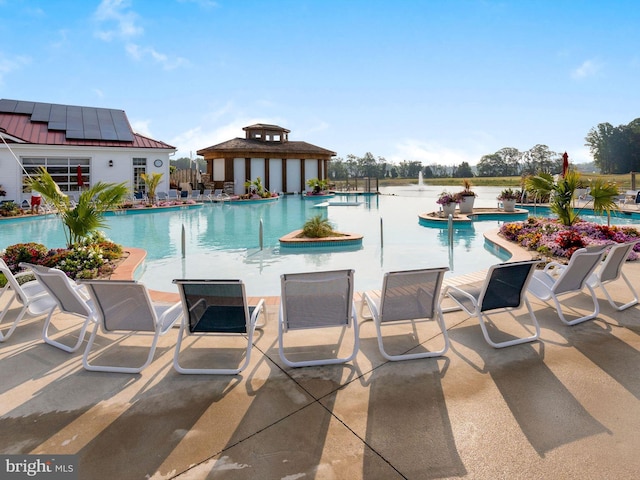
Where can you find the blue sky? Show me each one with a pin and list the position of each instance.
(434, 81)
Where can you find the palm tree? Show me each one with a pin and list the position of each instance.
(561, 194)
(151, 181)
(87, 216)
(603, 195)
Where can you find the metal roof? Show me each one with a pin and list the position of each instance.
(53, 124)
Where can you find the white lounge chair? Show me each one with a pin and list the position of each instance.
(33, 297)
(161, 196)
(317, 300)
(557, 280)
(206, 195)
(610, 270)
(504, 289)
(70, 298)
(217, 308)
(407, 297)
(631, 199)
(125, 308)
(173, 194)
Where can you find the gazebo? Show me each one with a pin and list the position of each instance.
(265, 152)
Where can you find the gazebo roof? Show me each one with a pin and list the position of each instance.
(243, 147)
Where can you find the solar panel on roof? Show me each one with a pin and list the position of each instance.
(75, 134)
(123, 130)
(7, 106)
(24, 107)
(41, 112)
(78, 122)
(107, 129)
(58, 117)
(74, 119)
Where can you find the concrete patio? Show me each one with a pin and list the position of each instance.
(565, 407)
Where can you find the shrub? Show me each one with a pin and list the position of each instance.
(317, 227)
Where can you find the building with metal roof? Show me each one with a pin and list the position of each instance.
(265, 152)
(77, 145)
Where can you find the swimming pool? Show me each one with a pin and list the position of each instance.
(222, 240)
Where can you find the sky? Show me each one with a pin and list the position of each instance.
(435, 81)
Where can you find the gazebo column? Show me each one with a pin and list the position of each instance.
(302, 185)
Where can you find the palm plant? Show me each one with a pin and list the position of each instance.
(151, 182)
(318, 227)
(561, 194)
(257, 186)
(603, 195)
(87, 216)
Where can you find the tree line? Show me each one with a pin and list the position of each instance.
(615, 149)
(503, 163)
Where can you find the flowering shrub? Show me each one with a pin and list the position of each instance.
(446, 197)
(89, 258)
(550, 237)
(24, 252)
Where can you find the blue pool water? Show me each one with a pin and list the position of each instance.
(222, 240)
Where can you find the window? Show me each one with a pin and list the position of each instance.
(139, 167)
(63, 170)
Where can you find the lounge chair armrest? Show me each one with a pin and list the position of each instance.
(170, 316)
(259, 307)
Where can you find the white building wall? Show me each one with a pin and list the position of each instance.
(238, 176)
(310, 171)
(257, 169)
(275, 175)
(293, 175)
(218, 170)
(121, 171)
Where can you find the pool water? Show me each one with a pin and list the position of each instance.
(223, 240)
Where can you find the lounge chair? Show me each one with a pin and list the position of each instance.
(610, 270)
(504, 289)
(70, 298)
(161, 196)
(173, 194)
(33, 297)
(557, 280)
(195, 195)
(407, 297)
(220, 195)
(206, 195)
(631, 199)
(317, 300)
(124, 307)
(217, 308)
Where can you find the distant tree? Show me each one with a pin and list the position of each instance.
(427, 172)
(463, 171)
(490, 165)
(539, 159)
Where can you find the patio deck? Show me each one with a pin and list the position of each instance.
(565, 407)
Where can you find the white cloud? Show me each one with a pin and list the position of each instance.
(116, 13)
(9, 65)
(190, 141)
(142, 127)
(139, 53)
(589, 68)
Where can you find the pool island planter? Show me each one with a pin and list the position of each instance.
(251, 201)
(295, 240)
(315, 196)
(438, 219)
